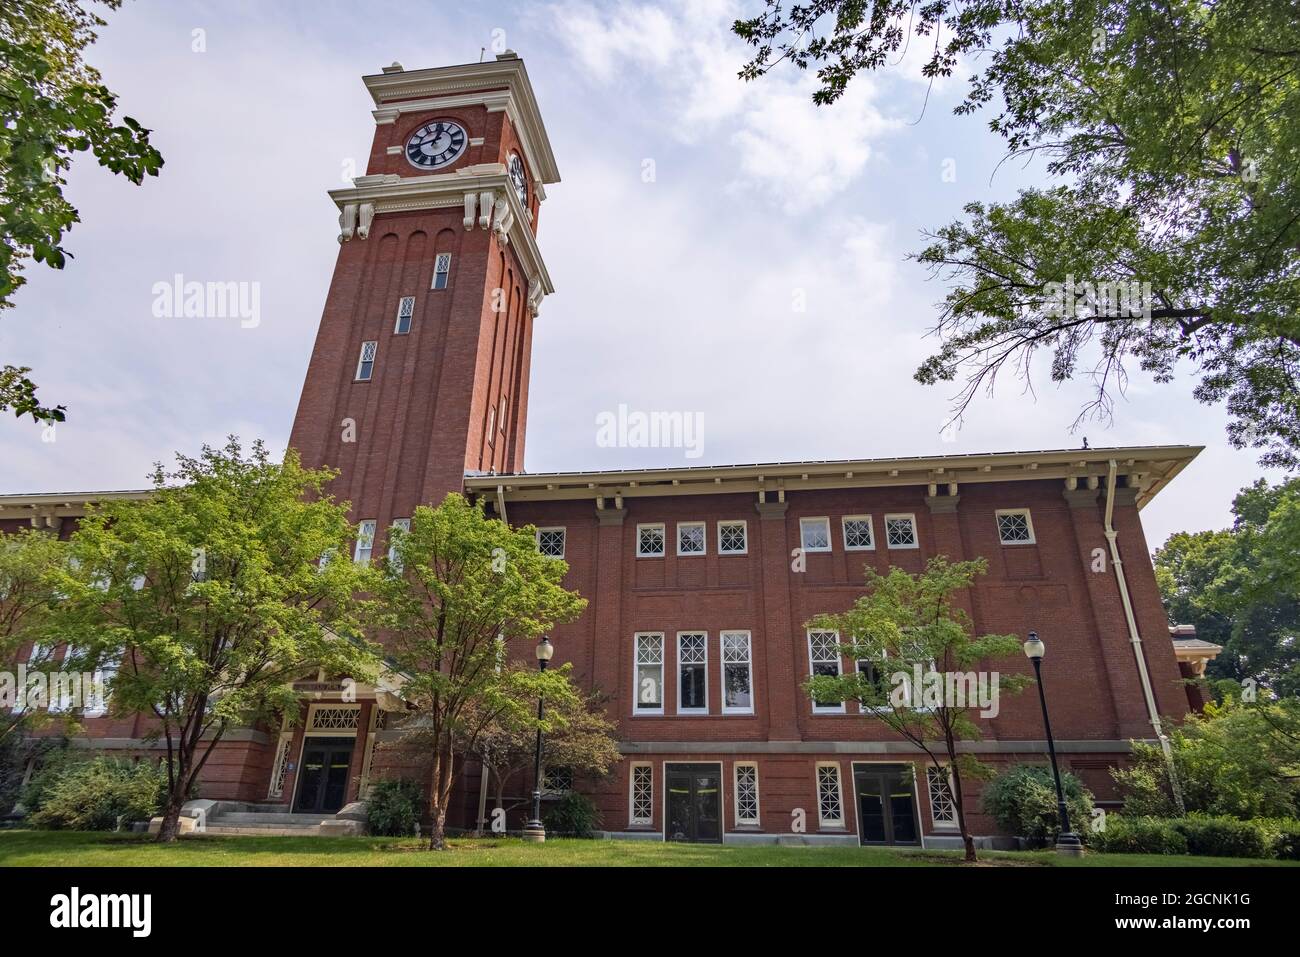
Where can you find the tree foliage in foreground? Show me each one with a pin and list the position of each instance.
(910, 624)
(52, 106)
(1169, 130)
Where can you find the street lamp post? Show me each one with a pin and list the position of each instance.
(1067, 842)
(535, 830)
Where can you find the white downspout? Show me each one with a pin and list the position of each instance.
(1135, 640)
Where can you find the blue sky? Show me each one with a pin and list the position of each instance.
(677, 294)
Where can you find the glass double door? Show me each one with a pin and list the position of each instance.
(694, 803)
(886, 804)
(323, 774)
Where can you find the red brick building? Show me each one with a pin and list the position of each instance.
(700, 580)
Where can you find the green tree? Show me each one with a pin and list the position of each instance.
(1240, 587)
(908, 625)
(1170, 131)
(209, 594)
(463, 597)
(52, 106)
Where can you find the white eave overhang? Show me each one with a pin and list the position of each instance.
(60, 504)
(499, 84)
(390, 193)
(1152, 468)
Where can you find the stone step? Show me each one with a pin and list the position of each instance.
(279, 820)
(263, 830)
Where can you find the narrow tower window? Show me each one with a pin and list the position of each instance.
(405, 310)
(441, 270)
(366, 364)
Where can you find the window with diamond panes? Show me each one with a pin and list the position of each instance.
(824, 660)
(649, 541)
(691, 537)
(550, 542)
(366, 364)
(441, 270)
(404, 524)
(557, 781)
(857, 533)
(900, 531)
(405, 310)
(643, 795)
(815, 534)
(1015, 528)
(365, 541)
(335, 719)
(746, 794)
(830, 809)
(649, 672)
(942, 807)
(693, 673)
(732, 539)
(737, 675)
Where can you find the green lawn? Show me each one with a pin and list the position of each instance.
(73, 849)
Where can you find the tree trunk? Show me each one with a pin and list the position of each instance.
(438, 832)
(171, 822)
(967, 841)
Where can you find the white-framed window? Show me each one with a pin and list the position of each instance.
(692, 538)
(824, 659)
(858, 533)
(405, 525)
(405, 311)
(365, 541)
(556, 782)
(830, 801)
(737, 673)
(97, 698)
(875, 672)
(650, 541)
(502, 405)
(900, 531)
(366, 363)
(641, 796)
(815, 534)
(491, 425)
(692, 672)
(649, 675)
(943, 810)
(1015, 527)
(745, 774)
(550, 541)
(441, 270)
(733, 537)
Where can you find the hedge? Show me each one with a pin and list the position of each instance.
(1201, 834)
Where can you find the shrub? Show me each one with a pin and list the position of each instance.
(1022, 800)
(1226, 836)
(573, 815)
(1139, 835)
(1287, 845)
(102, 794)
(393, 808)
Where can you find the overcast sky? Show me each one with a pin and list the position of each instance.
(677, 294)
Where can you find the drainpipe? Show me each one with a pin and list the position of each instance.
(1135, 640)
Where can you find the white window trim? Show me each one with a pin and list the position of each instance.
(397, 323)
(365, 543)
(929, 799)
(704, 539)
(816, 518)
(839, 665)
(749, 664)
(396, 523)
(1029, 523)
(916, 531)
(871, 529)
(733, 521)
(553, 528)
(433, 283)
(637, 710)
(361, 360)
(680, 709)
(663, 532)
(838, 823)
(735, 795)
(632, 819)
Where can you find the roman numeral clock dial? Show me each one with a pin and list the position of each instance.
(436, 144)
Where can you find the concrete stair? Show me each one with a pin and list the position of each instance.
(230, 817)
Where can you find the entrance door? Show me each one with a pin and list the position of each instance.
(323, 774)
(886, 804)
(694, 803)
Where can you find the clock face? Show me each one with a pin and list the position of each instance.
(519, 177)
(436, 144)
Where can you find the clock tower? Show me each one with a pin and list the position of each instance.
(419, 373)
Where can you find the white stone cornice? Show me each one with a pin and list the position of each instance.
(388, 193)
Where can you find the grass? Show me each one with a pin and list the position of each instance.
(21, 848)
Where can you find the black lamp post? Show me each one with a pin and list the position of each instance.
(1067, 842)
(535, 830)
